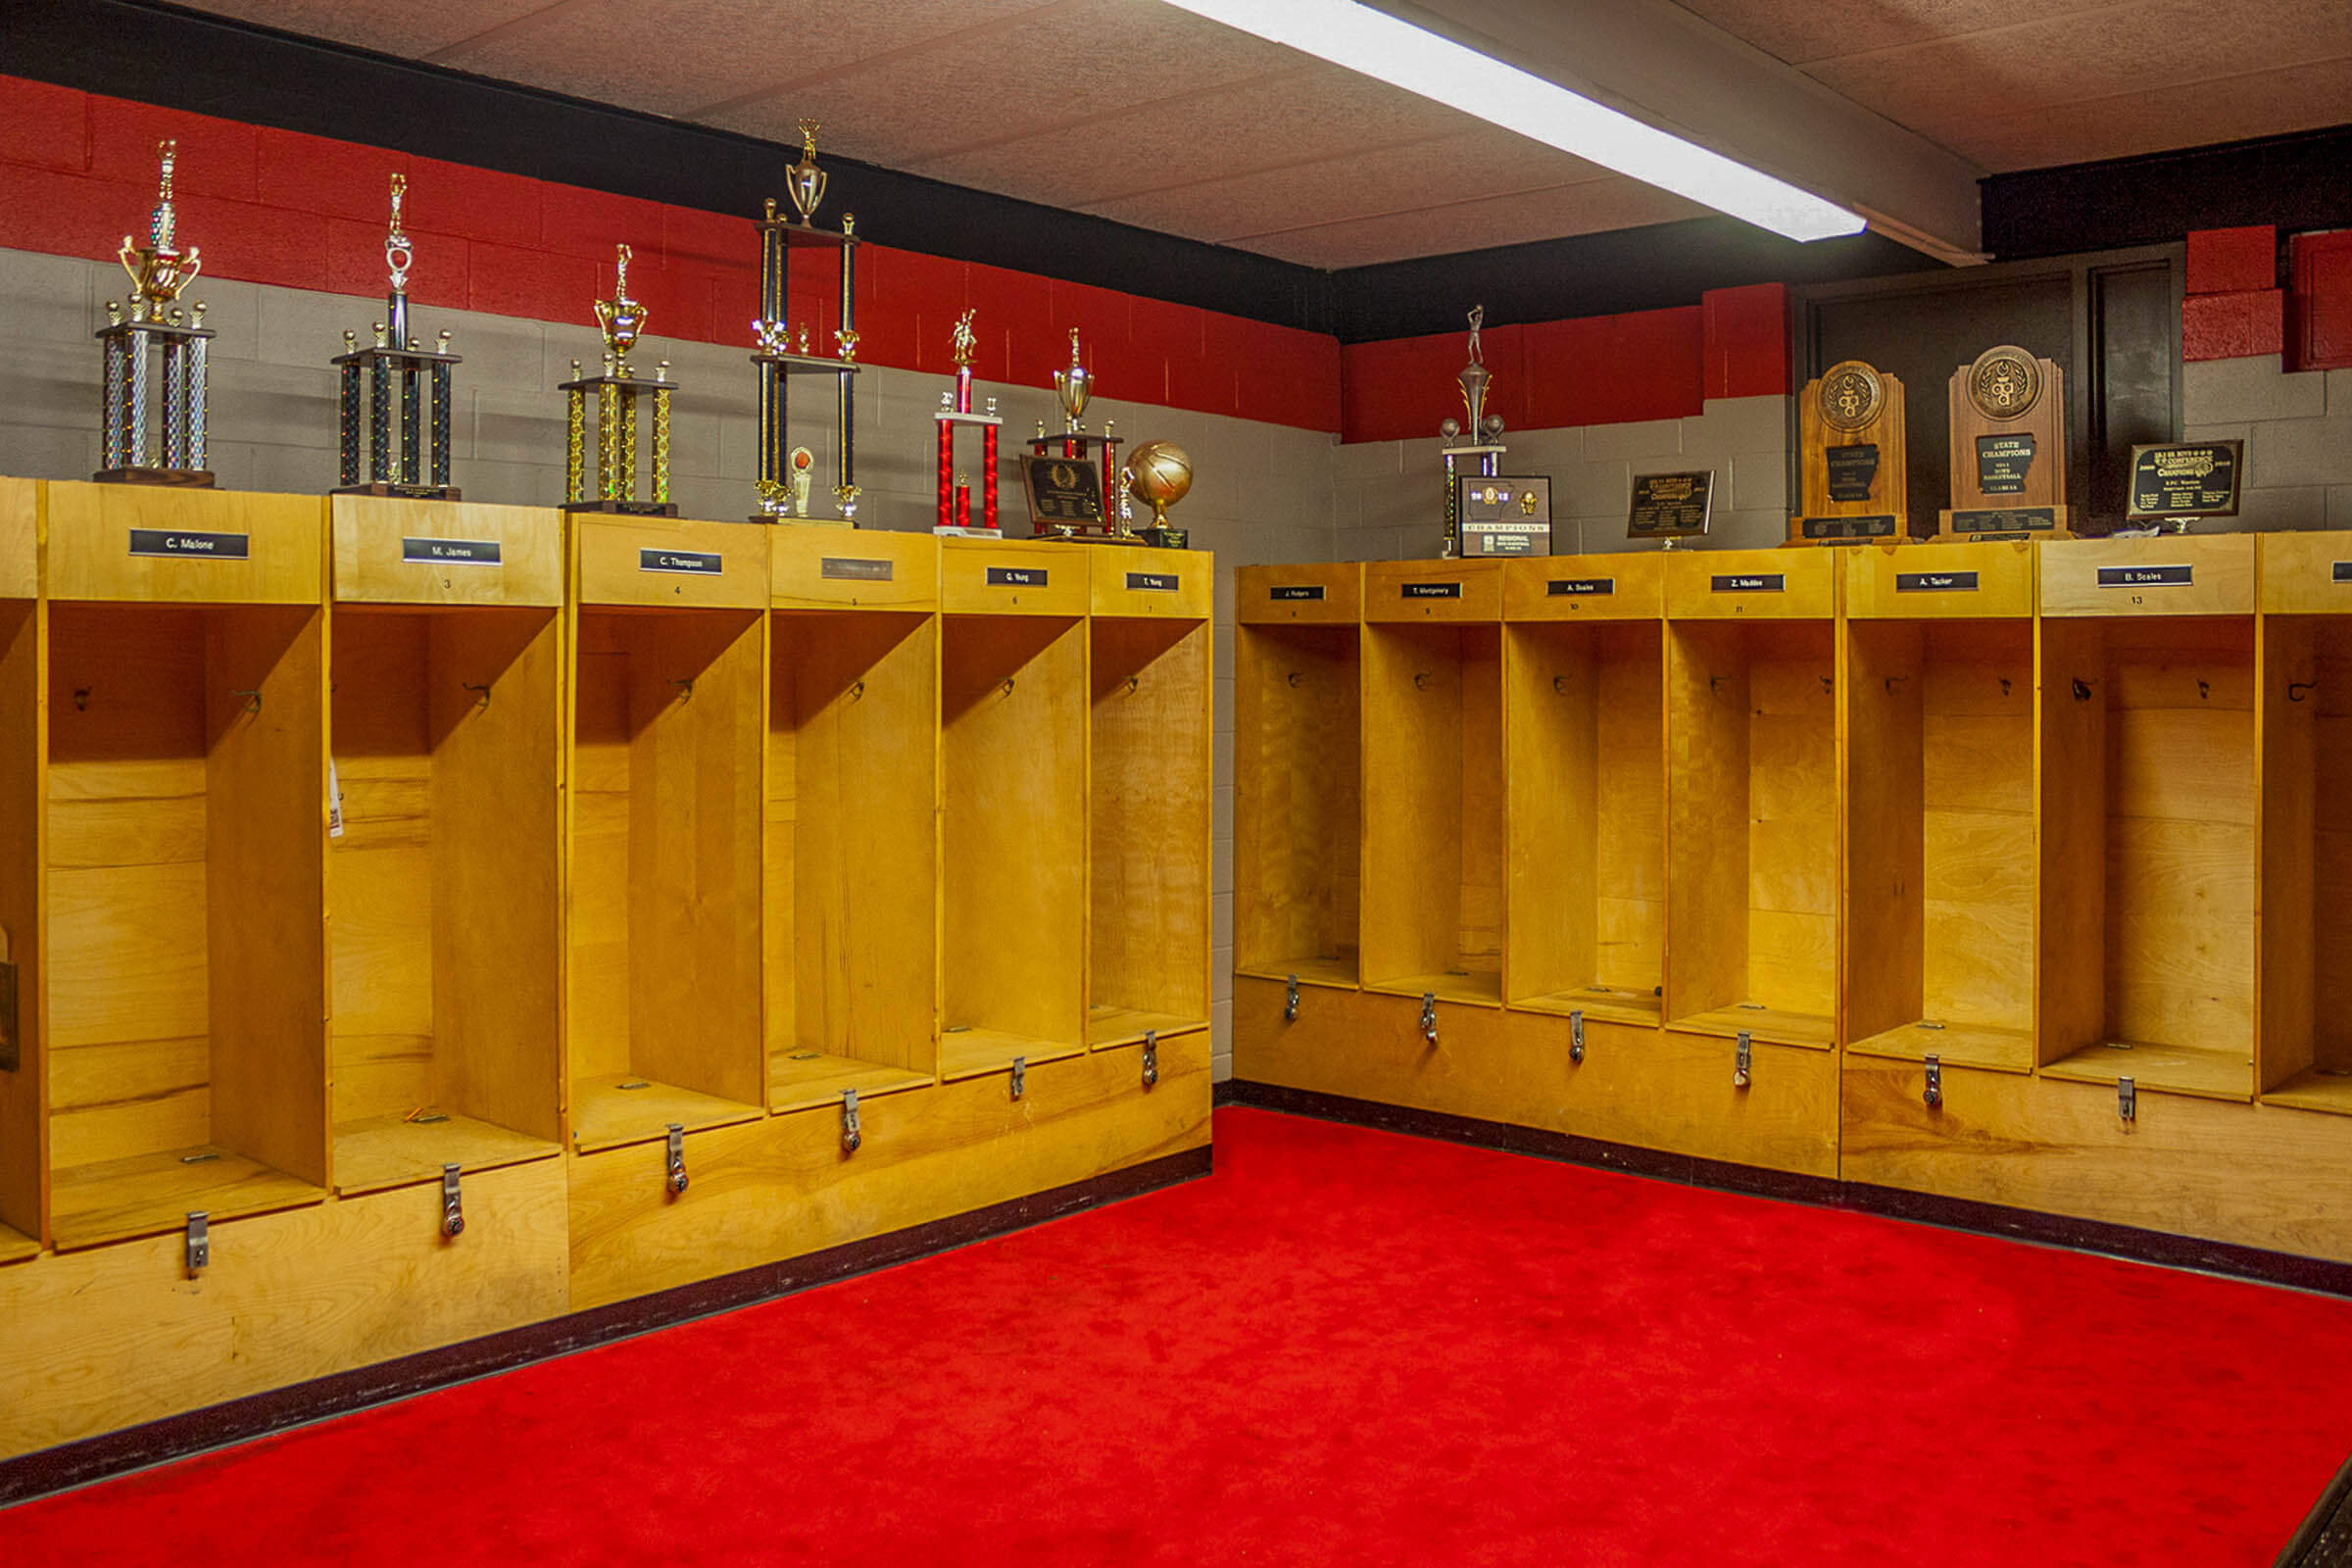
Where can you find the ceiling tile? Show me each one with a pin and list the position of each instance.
(1800, 31)
(2267, 103)
(411, 30)
(1582, 209)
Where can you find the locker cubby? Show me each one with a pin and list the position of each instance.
(186, 979)
(2149, 832)
(1433, 896)
(1013, 708)
(1298, 808)
(669, 725)
(1587, 820)
(1148, 824)
(852, 917)
(2306, 1001)
(442, 890)
(1751, 789)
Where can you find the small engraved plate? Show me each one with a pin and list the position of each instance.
(854, 568)
(1934, 582)
(692, 563)
(451, 552)
(1295, 593)
(1752, 582)
(2343, 571)
(1064, 490)
(176, 543)
(1017, 576)
(2198, 480)
(2002, 463)
(1579, 587)
(2145, 576)
(1157, 582)
(2004, 519)
(1852, 471)
(1880, 526)
(1670, 506)
(1430, 590)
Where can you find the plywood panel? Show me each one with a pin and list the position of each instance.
(1007, 577)
(1752, 585)
(2305, 574)
(2219, 575)
(827, 568)
(1298, 818)
(19, 539)
(1619, 587)
(2071, 788)
(90, 542)
(1551, 693)
(1313, 593)
(1886, 839)
(1147, 584)
(1706, 818)
(1938, 581)
(1433, 591)
(385, 552)
(676, 564)
(2290, 846)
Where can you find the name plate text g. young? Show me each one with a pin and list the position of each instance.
(1579, 587)
(1017, 576)
(1934, 582)
(1157, 582)
(1429, 590)
(2146, 576)
(852, 568)
(691, 562)
(450, 551)
(1752, 582)
(178, 544)
(1296, 592)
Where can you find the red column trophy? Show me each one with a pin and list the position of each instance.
(1062, 471)
(955, 411)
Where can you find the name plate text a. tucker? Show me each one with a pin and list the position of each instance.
(1750, 583)
(450, 551)
(2146, 576)
(1294, 593)
(179, 543)
(1934, 582)
(688, 562)
(854, 568)
(1429, 590)
(1579, 587)
(1156, 583)
(1017, 576)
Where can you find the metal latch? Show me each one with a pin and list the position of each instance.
(1021, 1076)
(1151, 1058)
(1290, 1002)
(677, 1158)
(1576, 1037)
(200, 1241)
(1428, 1016)
(452, 1207)
(1934, 1093)
(851, 1134)
(2127, 1099)
(1743, 1062)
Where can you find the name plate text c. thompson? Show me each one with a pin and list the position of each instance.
(179, 543)
(692, 563)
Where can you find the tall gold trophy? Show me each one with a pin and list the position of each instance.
(617, 392)
(157, 328)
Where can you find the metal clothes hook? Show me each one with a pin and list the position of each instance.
(1131, 682)
(856, 690)
(2297, 689)
(1420, 681)
(685, 686)
(1294, 678)
(253, 700)
(81, 699)
(482, 691)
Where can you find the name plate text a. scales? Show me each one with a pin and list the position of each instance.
(1429, 590)
(180, 544)
(1157, 582)
(1934, 582)
(688, 562)
(1017, 576)
(1752, 582)
(1296, 592)
(450, 551)
(854, 568)
(1579, 587)
(2146, 576)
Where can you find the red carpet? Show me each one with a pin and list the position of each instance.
(1345, 1348)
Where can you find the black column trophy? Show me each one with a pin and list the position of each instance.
(1072, 479)
(423, 439)
(784, 469)
(618, 391)
(158, 329)
(1480, 441)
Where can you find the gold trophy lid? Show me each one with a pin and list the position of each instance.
(806, 182)
(1073, 386)
(622, 318)
(159, 269)
(399, 255)
(962, 344)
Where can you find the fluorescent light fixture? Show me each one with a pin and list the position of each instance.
(1390, 49)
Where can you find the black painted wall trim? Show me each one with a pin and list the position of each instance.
(76, 1464)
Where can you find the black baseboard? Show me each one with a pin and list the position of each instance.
(76, 1464)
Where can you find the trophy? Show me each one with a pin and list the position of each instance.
(1851, 446)
(1068, 497)
(618, 391)
(781, 354)
(956, 412)
(401, 472)
(1480, 441)
(159, 269)
(1159, 474)
(2008, 413)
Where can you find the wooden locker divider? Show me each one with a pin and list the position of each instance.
(186, 827)
(1297, 760)
(668, 726)
(1751, 795)
(24, 741)
(2304, 665)
(1014, 835)
(444, 886)
(1937, 724)
(851, 885)
(1149, 762)
(1433, 878)
(2147, 795)
(1584, 675)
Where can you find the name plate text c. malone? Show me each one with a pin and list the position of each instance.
(852, 568)
(2146, 576)
(691, 562)
(1579, 587)
(1429, 590)
(179, 543)
(1750, 583)
(1296, 592)
(450, 551)
(1157, 582)
(1017, 576)
(1934, 582)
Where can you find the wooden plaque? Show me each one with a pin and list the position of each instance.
(2008, 423)
(1851, 458)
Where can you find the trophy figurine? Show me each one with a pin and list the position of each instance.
(418, 467)
(954, 512)
(618, 391)
(807, 183)
(781, 352)
(1480, 439)
(159, 269)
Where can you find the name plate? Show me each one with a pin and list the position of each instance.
(2004, 519)
(1295, 593)
(1671, 506)
(690, 562)
(1880, 526)
(1157, 582)
(2198, 480)
(2343, 571)
(1579, 587)
(1934, 582)
(1017, 576)
(177, 544)
(1430, 590)
(2146, 576)
(2002, 462)
(1752, 582)
(1852, 471)
(451, 552)
(854, 568)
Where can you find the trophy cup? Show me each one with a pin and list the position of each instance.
(159, 269)
(781, 356)
(618, 391)
(1479, 441)
(954, 411)
(401, 472)
(1068, 500)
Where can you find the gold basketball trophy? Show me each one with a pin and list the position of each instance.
(618, 391)
(157, 328)
(2008, 413)
(1159, 474)
(419, 469)
(1850, 447)
(1072, 479)
(1479, 441)
(783, 482)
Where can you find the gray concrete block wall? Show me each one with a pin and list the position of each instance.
(2297, 428)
